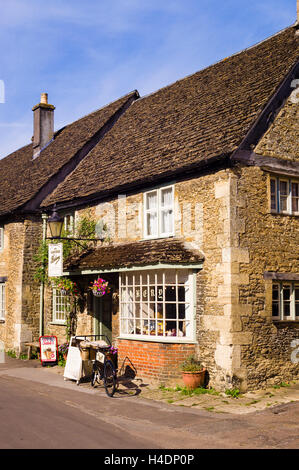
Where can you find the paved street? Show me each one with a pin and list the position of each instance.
(38, 409)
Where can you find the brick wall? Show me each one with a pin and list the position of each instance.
(153, 361)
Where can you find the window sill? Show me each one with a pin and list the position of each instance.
(284, 214)
(57, 323)
(288, 322)
(162, 339)
(157, 237)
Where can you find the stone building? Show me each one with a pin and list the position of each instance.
(27, 176)
(196, 188)
(198, 185)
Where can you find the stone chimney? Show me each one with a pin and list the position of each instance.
(43, 124)
(297, 12)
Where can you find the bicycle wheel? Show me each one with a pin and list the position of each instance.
(95, 377)
(109, 378)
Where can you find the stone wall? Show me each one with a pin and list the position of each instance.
(21, 241)
(226, 216)
(281, 140)
(203, 216)
(272, 244)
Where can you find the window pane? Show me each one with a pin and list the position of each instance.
(166, 197)
(286, 295)
(275, 300)
(151, 201)
(296, 301)
(152, 224)
(275, 292)
(1, 237)
(2, 301)
(167, 221)
(283, 189)
(273, 194)
(295, 197)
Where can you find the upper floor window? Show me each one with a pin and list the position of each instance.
(69, 224)
(159, 212)
(285, 301)
(1, 237)
(2, 301)
(284, 195)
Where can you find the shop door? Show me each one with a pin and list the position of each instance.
(102, 307)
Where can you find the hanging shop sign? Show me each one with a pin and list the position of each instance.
(48, 349)
(55, 266)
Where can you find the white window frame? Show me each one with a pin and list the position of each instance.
(290, 182)
(62, 300)
(281, 316)
(69, 227)
(1, 237)
(159, 210)
(128, 297)
(2, 301)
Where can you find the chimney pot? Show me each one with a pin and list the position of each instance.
(44, 97)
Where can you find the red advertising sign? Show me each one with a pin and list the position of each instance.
(48, 349)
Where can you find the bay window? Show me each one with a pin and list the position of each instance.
(157, 304)
(159, 212)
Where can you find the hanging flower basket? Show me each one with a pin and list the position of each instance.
(99, 287)
(66, 286)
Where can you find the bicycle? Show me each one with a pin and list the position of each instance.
(105, 372)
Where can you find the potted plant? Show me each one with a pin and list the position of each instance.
(193, 373)
(99, 287)
(64, 349)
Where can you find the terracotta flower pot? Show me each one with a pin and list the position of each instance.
(193, 380)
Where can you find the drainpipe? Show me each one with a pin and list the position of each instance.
(42, 285)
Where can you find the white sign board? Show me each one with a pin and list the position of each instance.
(55, 266)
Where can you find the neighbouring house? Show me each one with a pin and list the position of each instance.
(27, 176)
(197, 186)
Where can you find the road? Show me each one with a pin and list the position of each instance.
(38, 410)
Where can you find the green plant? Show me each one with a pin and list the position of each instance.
(85, 229)
(65, 283)
(191, 365)
(11, 353)
(23, 356)
(232, 392)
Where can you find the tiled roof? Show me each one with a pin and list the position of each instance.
(142, 253)
(22, 177)
(204, 115)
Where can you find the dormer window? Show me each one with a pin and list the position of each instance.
(159, 213)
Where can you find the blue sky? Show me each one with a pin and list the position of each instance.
(85, 54)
